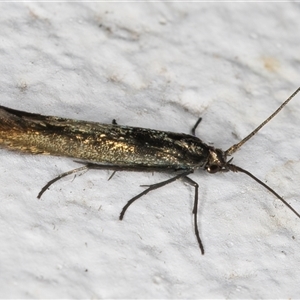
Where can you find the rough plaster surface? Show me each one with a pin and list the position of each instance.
(158, 65)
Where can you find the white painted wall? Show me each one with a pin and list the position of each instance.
(158, 65)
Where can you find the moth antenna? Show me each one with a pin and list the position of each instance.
(235, 147)
(235, 168)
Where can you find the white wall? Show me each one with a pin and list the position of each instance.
(155, 65)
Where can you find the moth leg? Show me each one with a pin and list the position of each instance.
(196, 125)
(43, 190)
(112, 175)
(195, 210)
(151, 188)
(86, 167)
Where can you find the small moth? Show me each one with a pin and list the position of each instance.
(123, 148)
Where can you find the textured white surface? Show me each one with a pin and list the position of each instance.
(157, 65)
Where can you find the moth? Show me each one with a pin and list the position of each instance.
(123, 148)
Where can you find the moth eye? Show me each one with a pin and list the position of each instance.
(213, 169)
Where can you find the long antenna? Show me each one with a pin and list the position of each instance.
(235, 168)
(235, 147)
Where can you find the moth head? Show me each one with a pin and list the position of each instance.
(217, 161)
